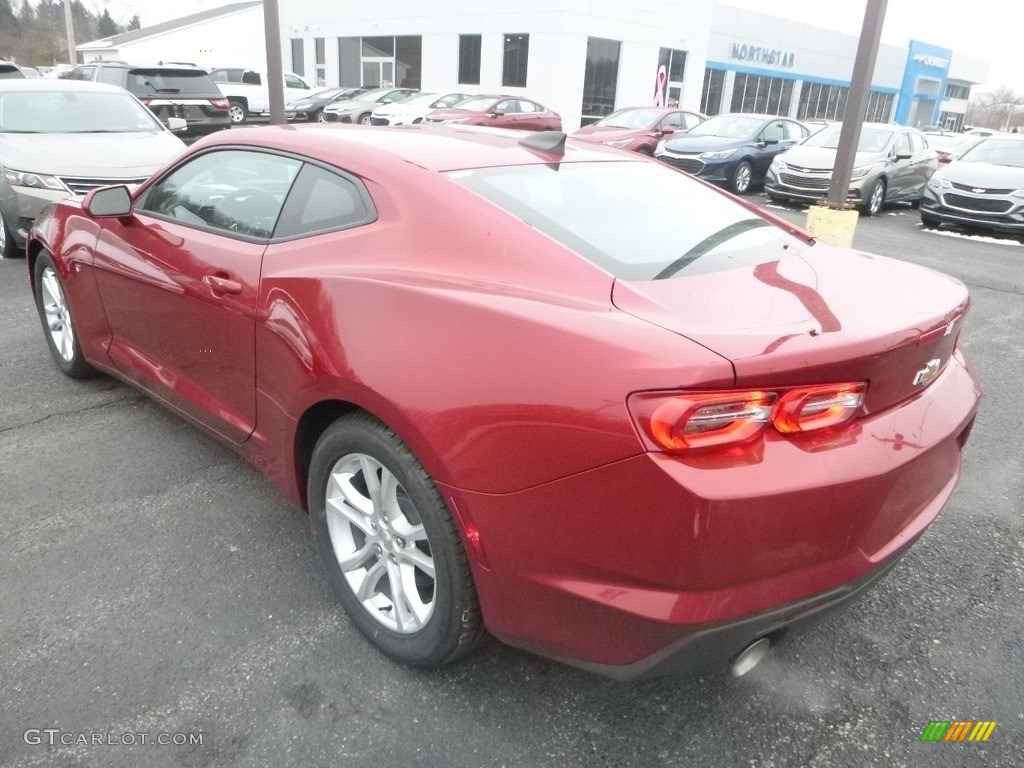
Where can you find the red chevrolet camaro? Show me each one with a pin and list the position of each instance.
(559, 391)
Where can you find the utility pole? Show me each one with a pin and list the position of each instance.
(275, 70)
(857, 102)
(70, 25)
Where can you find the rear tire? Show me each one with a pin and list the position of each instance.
(387, 540)
(58, 324)
(237, 112)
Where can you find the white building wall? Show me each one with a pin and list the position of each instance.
(558, 32)
(237, 40)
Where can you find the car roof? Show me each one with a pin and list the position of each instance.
(428, 145)
(48, 84)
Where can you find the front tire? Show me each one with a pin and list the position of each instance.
(237, 112)
(58, 324)
(364, 119)
(319, 117)
(390, 547)
(876, 199)
(742, 178)
(8, 248)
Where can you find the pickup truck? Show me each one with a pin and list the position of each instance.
(248, 93)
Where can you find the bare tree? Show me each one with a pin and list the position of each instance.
(1000, 109)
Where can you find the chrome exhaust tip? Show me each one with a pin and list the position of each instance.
(750, 656)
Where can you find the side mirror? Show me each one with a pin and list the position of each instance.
(668, 130)
(177, 124)
(497, 113)
(903, 156)
(769, 142)
(108, 201)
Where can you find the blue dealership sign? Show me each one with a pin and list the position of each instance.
(924, 84)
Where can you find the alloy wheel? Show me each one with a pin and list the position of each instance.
(380, 544)
(58, 318)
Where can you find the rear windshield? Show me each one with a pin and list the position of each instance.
(635, 220)
(153, 82)
(10, 72)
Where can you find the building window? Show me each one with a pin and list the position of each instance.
(958, 91)
(517, 54)
(600, 78)
(321, 62)
(952, 121)
(380, 62)
(711, 98)
(757, 93)
(668, 81)
(298, 57)
(408, 61)
(349, 57)
(879, 107)
(822, 102)
(469, 59)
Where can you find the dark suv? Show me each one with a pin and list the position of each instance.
(179, 90)
(8, 69)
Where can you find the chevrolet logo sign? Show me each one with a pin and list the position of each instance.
(927, 374)
(978, 191)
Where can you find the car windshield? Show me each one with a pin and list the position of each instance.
(997, 152)
(871, 139)
(149, 82)
(630, 118)
(373, 95)
(637, 221)
(420, 98)
(74, 112)
(478, 103)
(728, 127)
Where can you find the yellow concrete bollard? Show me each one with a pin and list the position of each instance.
(832, 226)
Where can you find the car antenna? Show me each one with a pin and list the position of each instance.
(552, 142)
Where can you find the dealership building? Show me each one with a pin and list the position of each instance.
(582, 59)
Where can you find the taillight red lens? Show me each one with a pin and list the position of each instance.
(220, 103)
(676, 422)
(680, 421)
(819, 407)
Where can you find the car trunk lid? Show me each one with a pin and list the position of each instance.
(824, 316)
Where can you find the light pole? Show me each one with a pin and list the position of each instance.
(70, 26)
(275, 70)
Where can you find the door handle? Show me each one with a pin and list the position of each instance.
(222, 284)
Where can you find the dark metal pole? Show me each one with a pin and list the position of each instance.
(69, 24)
(856, 102)
(275, 70)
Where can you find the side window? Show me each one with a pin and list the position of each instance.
(322, 201)
(236, 191)
(917, 142)
(251, 78)
(902, 146)
(509, 105)
(775, 131)
(111, 75)
(674, 120)
(529, 106)
(82, 73)
(292, 81)
(690, 121)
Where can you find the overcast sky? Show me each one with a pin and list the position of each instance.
(986, 29)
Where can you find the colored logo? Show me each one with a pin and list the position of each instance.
(958, 730)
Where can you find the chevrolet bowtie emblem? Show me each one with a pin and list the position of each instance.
(927, 374)
(977, 191)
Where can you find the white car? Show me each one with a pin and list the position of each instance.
(63, 138)
(248, 91)
(413, 109)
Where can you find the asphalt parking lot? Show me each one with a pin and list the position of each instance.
(155, 584)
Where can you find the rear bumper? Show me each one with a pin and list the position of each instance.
(654, 564)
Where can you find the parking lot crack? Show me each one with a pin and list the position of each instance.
(58, 414)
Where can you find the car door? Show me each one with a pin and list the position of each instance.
(901, 169)
(506, 114)
(925, 162)
(770, 143)
(179, 280)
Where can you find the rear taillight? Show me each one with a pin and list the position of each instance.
(220, 103)
(145, 101)
(809, 408)
(676, 422)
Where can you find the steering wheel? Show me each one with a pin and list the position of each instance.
(249, 211)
